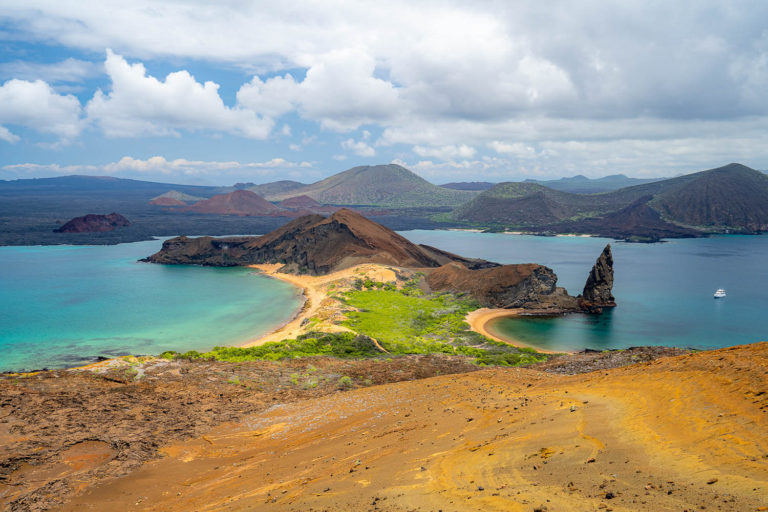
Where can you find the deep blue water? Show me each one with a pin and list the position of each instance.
(61, 305)
(663, 291)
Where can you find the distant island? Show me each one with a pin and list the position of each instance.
(94, 223)
(729, 199)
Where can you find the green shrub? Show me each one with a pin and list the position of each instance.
(345, 382)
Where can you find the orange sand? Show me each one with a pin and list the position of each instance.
(683, 433)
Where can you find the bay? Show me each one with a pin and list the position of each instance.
(62, 306)
(663, 291)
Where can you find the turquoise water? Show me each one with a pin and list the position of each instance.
(63, 305)
(664, 291)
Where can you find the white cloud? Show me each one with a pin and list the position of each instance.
(139, 104)
(446, 152)
(528, 81)
(360, 148)
(35, 105)
(517, 149)
(7, 136)
(179, 170)
(68, 70)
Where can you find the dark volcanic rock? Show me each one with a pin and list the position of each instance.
(597, 291)
(637, 222)
(526, 285)
(310, 244)
(93, 223)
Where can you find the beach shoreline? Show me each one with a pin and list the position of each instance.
(317, 300)
(316, 297)
(479, 319)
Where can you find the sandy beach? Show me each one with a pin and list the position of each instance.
(318, 304)
(478, 322)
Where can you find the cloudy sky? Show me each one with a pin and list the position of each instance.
(218, 92)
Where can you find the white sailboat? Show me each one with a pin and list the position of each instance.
(720, 293)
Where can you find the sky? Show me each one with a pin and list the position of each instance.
(203, 92)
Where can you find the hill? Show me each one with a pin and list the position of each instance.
(310, 244)
(729, 199)
(665, 434)
(174, 198)
(94, 223)
(379, 185)
(469, 185)
(580, 184)
(239, 202)
(274, 188)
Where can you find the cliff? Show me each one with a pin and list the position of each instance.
(93, 223)
(597, 292)
(311, 244)
(526, 285)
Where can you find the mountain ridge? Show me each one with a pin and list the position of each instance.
(728, 199)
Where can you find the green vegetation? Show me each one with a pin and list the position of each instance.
(403, 322)
(342, 345)
(345, 382)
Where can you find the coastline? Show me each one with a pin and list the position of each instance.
(479, 319)
(317, 301)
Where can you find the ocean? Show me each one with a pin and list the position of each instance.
(663, 290)
(65, 305)
(62, 306)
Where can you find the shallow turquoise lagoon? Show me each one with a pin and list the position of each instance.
(65, 305)
(664, 291)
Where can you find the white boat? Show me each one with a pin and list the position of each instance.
(720, 293)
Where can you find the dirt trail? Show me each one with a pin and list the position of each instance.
(681, 433)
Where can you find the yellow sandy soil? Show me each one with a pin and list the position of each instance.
(317, 302)
(683, 433)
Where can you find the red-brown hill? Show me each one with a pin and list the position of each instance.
(93, 223)
(239, 202)
(310, 244)
(167, 201)
(299, 202)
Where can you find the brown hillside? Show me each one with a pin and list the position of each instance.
(167, 201)
(506, 286)
(311, 244)
(679, 433)
(299, 202)
(239, 202)
(94, 223)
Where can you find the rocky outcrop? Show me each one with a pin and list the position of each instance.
(311, 244)
(526, 285)
(597, 292)
(94, 223)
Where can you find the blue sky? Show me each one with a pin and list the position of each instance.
(215, 93)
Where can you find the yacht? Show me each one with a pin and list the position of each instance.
(720, 293)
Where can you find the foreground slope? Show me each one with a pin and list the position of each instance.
(379, 185)
(681, 433)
